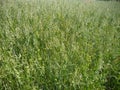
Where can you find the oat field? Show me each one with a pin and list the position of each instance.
(59, 45)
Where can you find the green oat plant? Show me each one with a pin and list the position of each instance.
(59, 45)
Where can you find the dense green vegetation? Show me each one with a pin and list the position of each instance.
(109, 0)
(59, 45)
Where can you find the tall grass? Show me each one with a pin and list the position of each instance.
(59, 45)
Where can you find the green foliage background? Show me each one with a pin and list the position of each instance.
(59, 45)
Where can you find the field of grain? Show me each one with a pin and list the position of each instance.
(59, 45)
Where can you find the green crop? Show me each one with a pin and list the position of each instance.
(59, 45)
